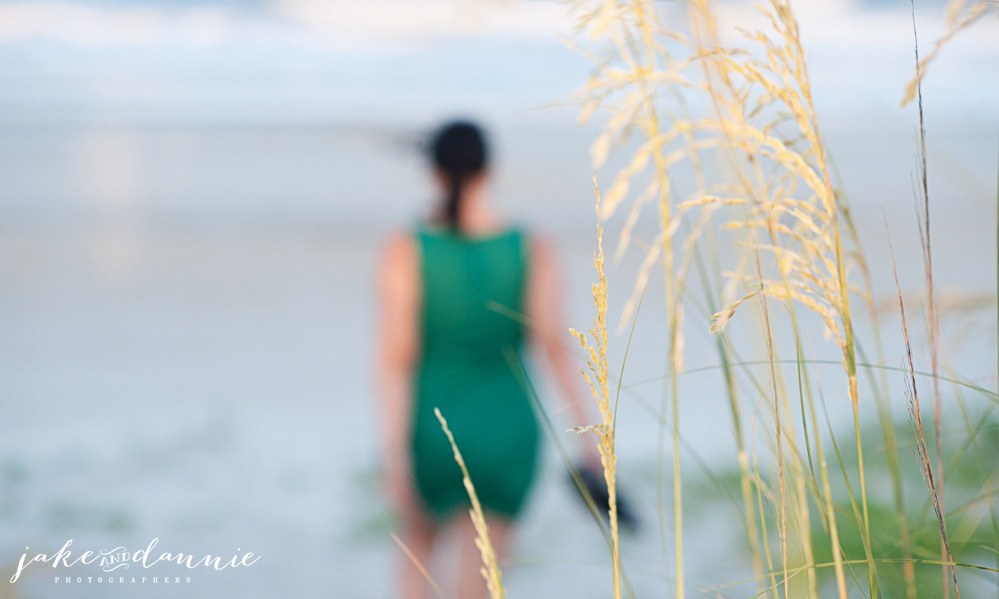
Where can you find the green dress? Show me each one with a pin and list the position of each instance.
(465, 371)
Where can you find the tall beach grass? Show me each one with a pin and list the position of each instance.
(793, 252)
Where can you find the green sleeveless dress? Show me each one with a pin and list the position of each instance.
(463, 370)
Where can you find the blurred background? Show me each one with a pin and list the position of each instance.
(192, 197)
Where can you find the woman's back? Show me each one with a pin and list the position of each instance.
(473, 289)
(472, 298)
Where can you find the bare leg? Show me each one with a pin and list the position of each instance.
(418, 534)
(471, 584)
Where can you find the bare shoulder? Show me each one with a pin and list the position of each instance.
(398, 263)
(398, 250)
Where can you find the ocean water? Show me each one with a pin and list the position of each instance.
(188, 233)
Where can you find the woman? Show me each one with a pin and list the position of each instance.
(457, 295)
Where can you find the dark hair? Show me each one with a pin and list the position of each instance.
(458, 149)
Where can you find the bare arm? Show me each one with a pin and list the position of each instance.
(398, 339)
(551, 336)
